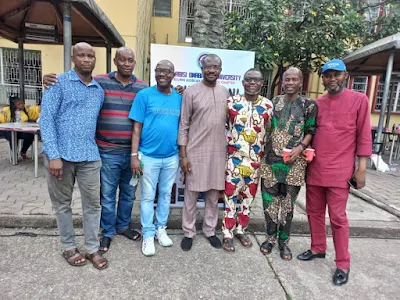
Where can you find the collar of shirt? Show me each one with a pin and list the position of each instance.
(112, 76)
(74, 77)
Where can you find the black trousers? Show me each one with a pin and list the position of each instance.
(26, 137)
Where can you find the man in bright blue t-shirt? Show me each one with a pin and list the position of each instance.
(156, 112)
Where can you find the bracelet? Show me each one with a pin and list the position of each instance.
(134, 154)
(182, 157)
(304, 146)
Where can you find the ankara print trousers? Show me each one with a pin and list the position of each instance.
(278, 203)
(241, 183)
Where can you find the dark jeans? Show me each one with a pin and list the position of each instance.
(116, 173)
(26, 137)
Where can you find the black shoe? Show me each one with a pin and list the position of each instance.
(340, 277)
(186, 243)
(214, 241)
(308, 255)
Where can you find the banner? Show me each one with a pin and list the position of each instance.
(187, 62)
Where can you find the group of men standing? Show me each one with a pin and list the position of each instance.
(221, 142)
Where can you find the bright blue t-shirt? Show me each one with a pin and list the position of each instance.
(159, 114)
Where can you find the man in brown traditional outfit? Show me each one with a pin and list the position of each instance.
(203, 149)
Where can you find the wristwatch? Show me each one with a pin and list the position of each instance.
(303, 145)
(134, 154)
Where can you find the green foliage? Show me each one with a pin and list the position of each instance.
(302, 33)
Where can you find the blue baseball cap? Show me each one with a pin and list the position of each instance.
(335, 65)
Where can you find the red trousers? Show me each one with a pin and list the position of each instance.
(336, 198)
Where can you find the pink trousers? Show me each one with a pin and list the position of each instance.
(318, 198)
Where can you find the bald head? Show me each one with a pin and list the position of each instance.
(165, 73)
(211, 59)
(125, 62)
(165, 64)
(124, 51)
(211, 67)
(253, 71)
(292, 82)
(84, 59)
(293, 71)
(81, 46)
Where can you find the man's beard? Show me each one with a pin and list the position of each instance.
(252, 94)
(338, 88)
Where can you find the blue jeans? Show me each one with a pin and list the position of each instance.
(116, 172)
(161, 171)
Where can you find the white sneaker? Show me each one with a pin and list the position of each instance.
(162, 237)
(148, 248)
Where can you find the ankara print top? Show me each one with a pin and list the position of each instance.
(291, 121)
(248, 122)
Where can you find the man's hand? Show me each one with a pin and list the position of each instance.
(296, 151)
(304, 154)
(135, 165)
(56, 168)
(180, 89)
(359, 176)
(49, 79)
(185, 165)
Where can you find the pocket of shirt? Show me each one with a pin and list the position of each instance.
(346, 121)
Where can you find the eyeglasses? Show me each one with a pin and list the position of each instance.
(164, 71)
(255, 79)
(209, 68)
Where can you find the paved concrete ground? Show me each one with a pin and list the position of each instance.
(32, 268)
(24, 202)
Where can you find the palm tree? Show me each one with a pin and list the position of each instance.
(208, 28)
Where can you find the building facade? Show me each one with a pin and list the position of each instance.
(141, 22)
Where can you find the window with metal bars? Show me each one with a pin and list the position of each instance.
(360, 84)
(9, 75)
(393, 96)
(162, 8)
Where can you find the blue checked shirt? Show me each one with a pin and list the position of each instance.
(68, 118)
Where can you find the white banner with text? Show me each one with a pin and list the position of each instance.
(187, 62)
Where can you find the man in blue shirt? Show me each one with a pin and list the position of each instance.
(114, 139)
(156, 112)
(68, 126)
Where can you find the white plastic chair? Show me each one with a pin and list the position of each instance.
(19, 150)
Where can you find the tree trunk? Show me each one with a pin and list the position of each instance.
(208, 29)
(275, 82)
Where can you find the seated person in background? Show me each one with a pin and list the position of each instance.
(18, 112)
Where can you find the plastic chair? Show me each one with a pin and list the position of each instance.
(19, 150)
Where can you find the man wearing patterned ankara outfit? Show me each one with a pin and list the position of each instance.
(293, 126)
(247, 118)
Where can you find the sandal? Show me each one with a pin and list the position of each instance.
(285, 252)
(73, 256)
(266, 247)
(24, 155)
(97, 259)
(131, 234)
(227, 245)
(105, 243)
(244, 240)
